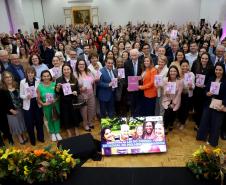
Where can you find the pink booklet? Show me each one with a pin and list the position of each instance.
(121, 72)
(56, 72)
(31, 91)
(171, 87)
(200, 79)
(49, 97)
(133, 83)
(66, 89)
(114, 83)
(215, 88)
(158, 80)
(187, 78)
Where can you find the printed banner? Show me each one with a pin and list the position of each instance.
(132, 135)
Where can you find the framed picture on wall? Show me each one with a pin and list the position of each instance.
(81, 15)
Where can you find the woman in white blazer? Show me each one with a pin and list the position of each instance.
(33, 115)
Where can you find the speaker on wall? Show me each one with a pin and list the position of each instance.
(35, 24)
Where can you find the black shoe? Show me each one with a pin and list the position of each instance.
(92, 127)
(196, 128)
(41, 140)
(223, 136)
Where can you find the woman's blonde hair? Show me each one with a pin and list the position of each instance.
(3, 84)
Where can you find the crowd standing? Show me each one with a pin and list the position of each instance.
(71, 74)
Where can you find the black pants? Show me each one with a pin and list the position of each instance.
(134, 102)
(4, 128)
(169, 117)
(34, 118)
(184, 108)
(210, 125)
(223, 127)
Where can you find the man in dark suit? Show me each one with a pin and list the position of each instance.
(103, 54)
(85, 54)
(16, 68)
(106, 92)
(4, 60)
(48, 54)
(133, 68)
(219, 55)
(147, 53)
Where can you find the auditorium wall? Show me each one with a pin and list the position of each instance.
(3, 18)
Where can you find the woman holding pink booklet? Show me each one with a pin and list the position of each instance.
(205, 68)
(212, 116)
(171, 99)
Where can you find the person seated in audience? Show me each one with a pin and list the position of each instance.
(36, 62)
(14, 107)
(212, 117)
(60, 55)
(46, 97)
(4, 61)
(33, 114)
(16, 68)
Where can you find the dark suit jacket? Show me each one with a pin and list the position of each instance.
(48, 56)
(2, 68)
(129, 71)
(153, 57)
(101, 59)
(13, 70)
(213, 58)
(105, 93)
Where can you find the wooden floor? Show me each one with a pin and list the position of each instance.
(180, 144)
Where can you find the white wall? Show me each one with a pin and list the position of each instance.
(4, 18)
(121, 11)
(213, 10)
(32, 12)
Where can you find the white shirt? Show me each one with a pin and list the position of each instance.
(191, 58)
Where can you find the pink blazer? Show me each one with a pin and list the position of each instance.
(176, 98)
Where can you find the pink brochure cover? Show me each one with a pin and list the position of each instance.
(121, 72)
(31, 91)
(66, 89)
(200, 79)
(171, 87)
(133, 83)
(187, 78)
(158, 80)
(215, 88)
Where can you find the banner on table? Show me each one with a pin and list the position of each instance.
(132, 135)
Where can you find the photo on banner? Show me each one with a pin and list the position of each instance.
(132, 135)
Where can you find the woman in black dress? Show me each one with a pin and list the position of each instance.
(69, 117)
(203, 67)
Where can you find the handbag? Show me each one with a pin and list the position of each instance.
(55, 114)
(79, 102)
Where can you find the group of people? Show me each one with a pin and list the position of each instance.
(70, 75)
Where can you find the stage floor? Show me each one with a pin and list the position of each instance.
(181, 144)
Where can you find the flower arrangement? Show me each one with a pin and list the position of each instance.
(208, 163)
(35, 165)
